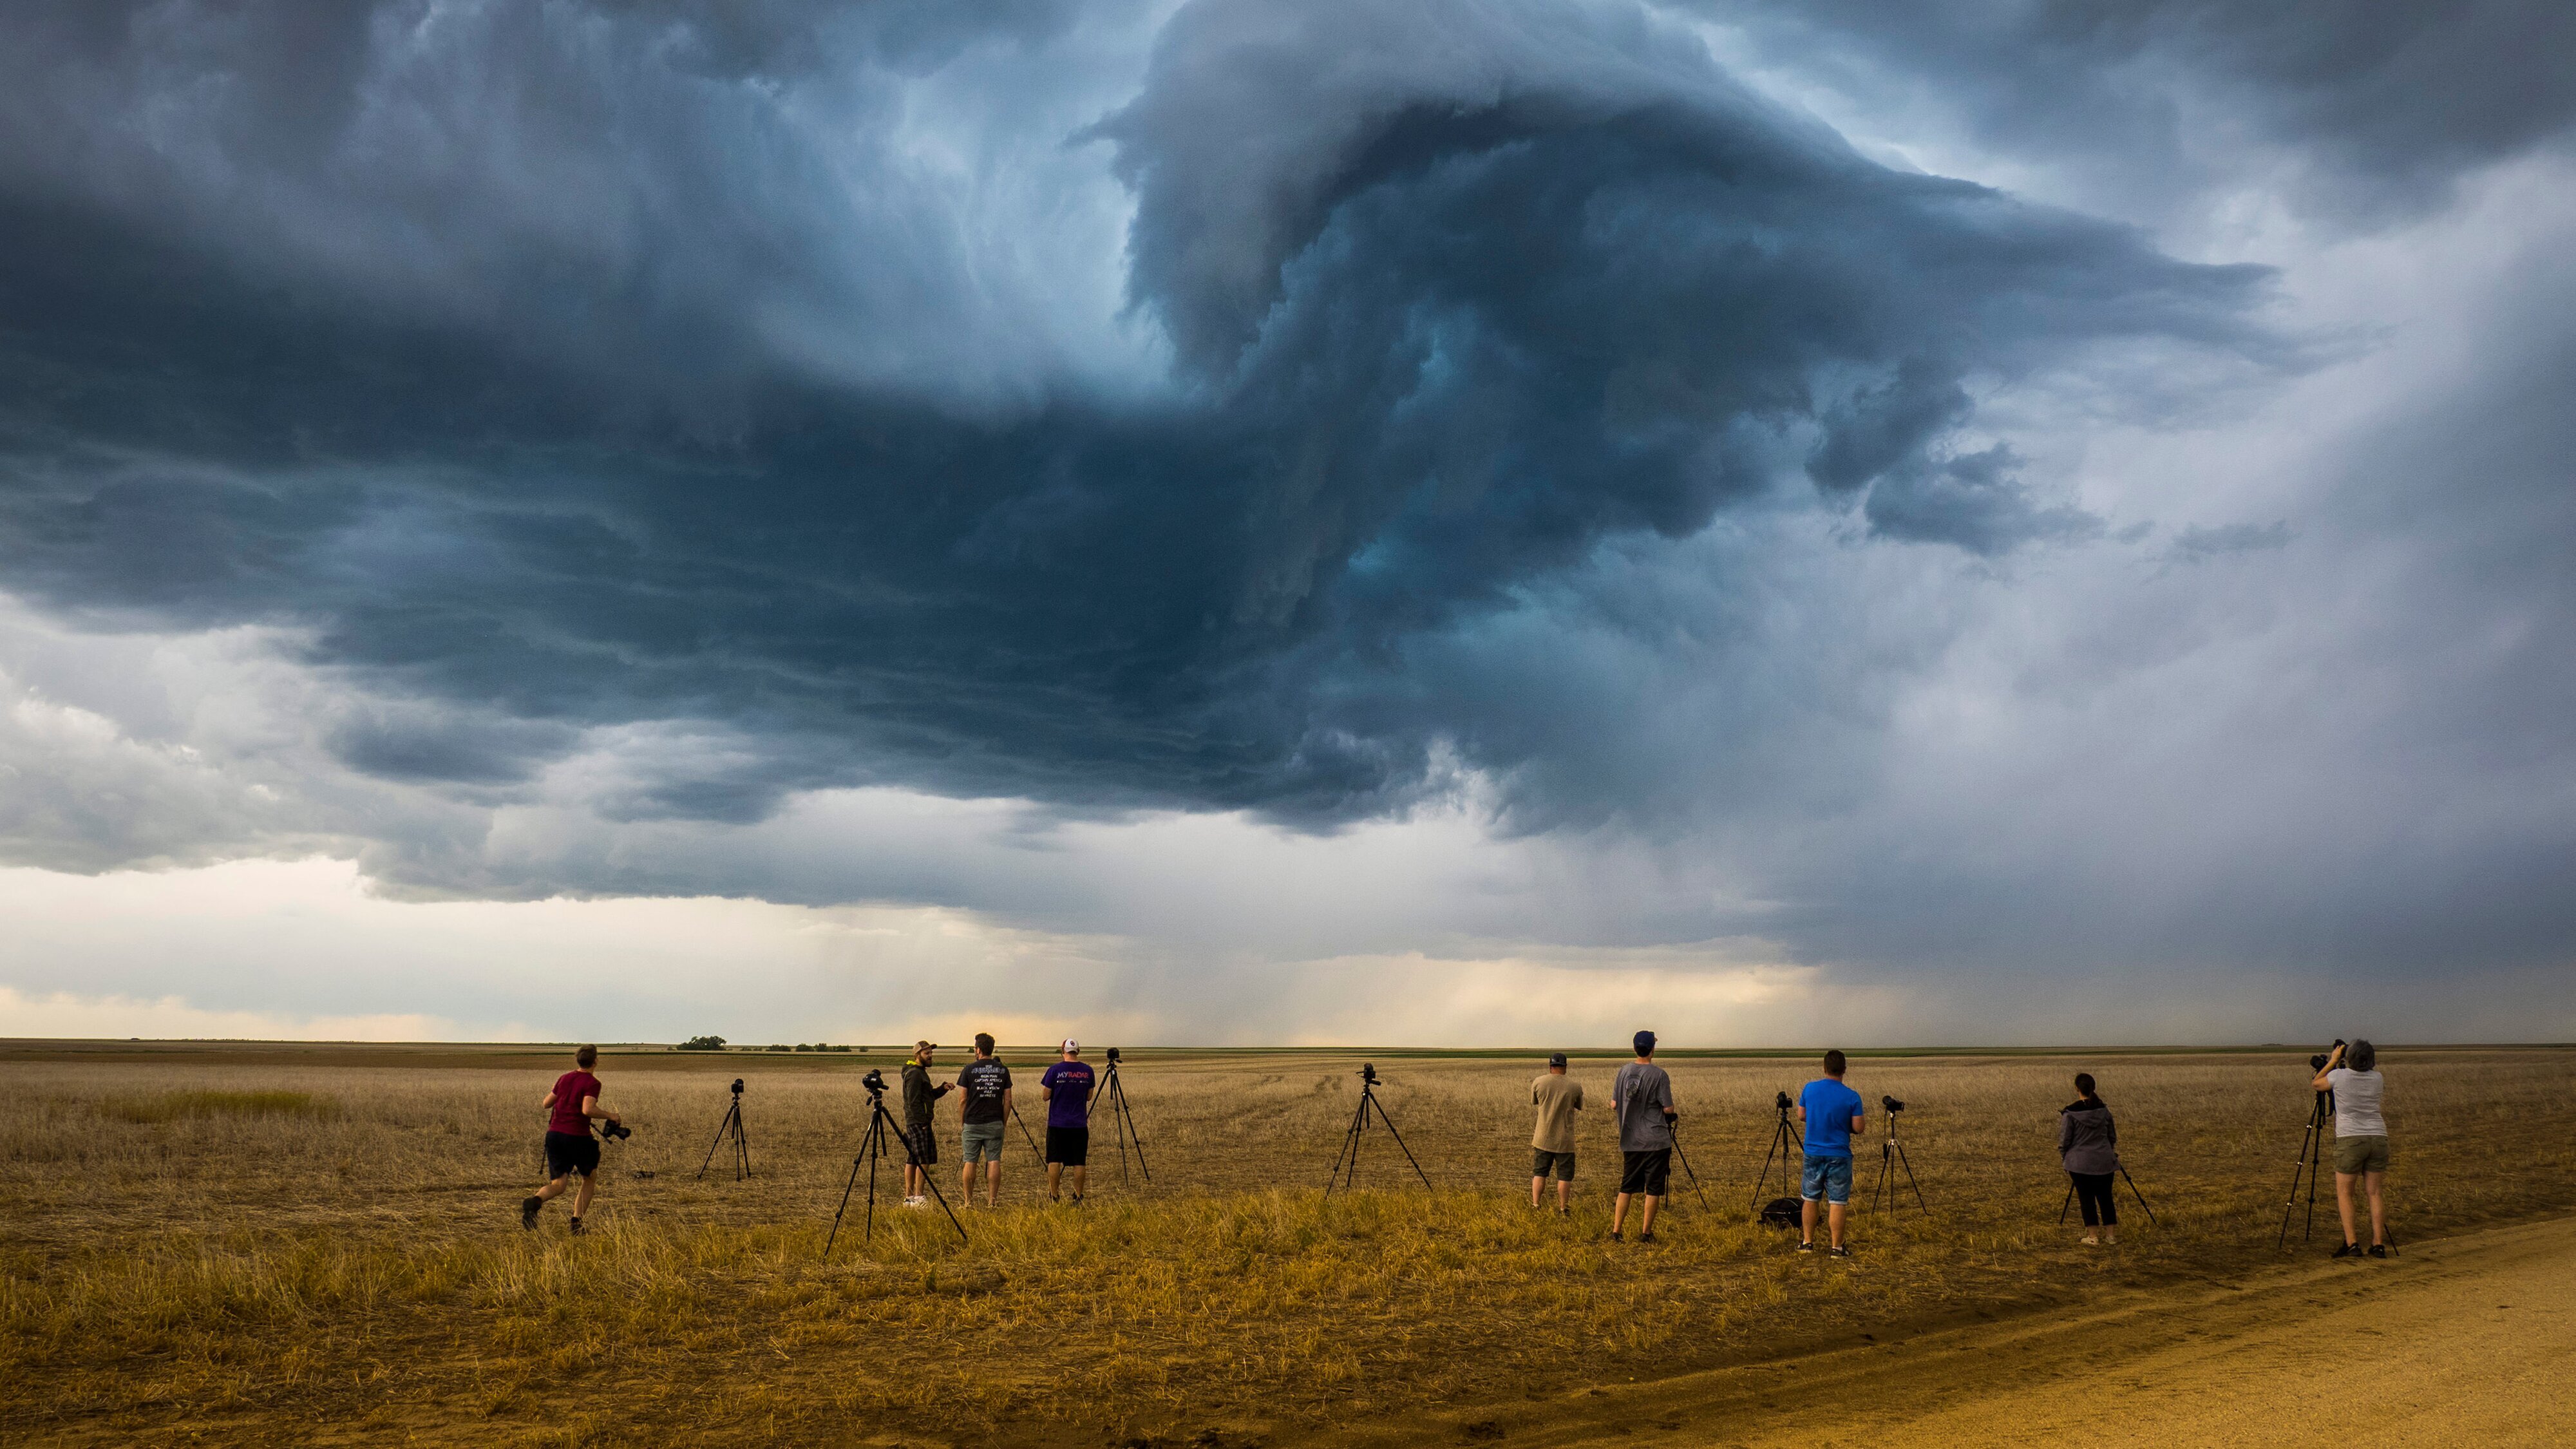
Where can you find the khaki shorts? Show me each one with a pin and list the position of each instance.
(2356, 1155)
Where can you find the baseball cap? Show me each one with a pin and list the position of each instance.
(1645, 1041)
(1073, 1046)
(1556, 1059)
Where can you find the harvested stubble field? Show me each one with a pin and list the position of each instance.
(314, 1245)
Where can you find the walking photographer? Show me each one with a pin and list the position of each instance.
(570, 1149)
(2361, 1140)
(1642, 1096)
(919, 1124)
(2088, 1144)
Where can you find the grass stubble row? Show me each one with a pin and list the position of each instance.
(214, 1253)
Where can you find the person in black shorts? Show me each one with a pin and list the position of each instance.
(1642, 1096)
(570, 1149)
(919, 1093)
(1066, 1088)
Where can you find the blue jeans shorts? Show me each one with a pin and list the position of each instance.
(1828, 1178)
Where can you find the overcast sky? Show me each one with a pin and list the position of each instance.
(1289, 522)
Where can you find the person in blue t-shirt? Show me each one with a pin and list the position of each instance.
(1831, 1113)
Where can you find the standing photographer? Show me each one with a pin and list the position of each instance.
(1642, 1097)
(2361, 1140)
(984, 1092)
(1830, 1112)
(2089, 1145)
(570, 1149)
(1552, 1141)
(1066, 1090)
(919, 1095)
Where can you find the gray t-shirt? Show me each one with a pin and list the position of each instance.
(1642, 1094)
(2357, 1097)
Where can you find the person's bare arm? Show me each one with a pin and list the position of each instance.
(590, 1108)
(1860, 1125)
(2332, 1062)
(549, 1102)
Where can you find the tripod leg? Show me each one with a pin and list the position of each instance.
(741, 1141)
(1139, 1137)
(1399, 1144)
(1910, 1181)
(1687, 1168)
(850, 1187)
(912, 1159)
(1024, 1134)
(873, 1158)
(2070, 1200)
(2140, 1196)
(720, 1136)
(1350, 1148)
(2290, 1204)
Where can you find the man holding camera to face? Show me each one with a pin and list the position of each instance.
(1831, 1113)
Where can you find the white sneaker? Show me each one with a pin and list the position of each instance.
(916, 1202)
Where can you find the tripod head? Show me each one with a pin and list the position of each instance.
(1780, 1104)
(737, 1086)
(1113, 1056)
(1368, 1075)
(874, 1081)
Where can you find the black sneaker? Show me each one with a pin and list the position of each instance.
(1839, 1252)
(1614, 1236)
(1645, 1237)
(1806, 1247)
(576, 1225)
(528, 1211)
(2348, 1250)
(2379, 1250)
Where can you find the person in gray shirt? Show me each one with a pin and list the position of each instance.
(2088, 1143)
(2361, 1141)
(1642, 1096)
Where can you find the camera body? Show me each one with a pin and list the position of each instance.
(1113, 1054)
(1780, 1102)
(737, 1086)
(874, 1081)
(1891, 1104)
(617, 1131)
(1368, 1073)
(2318, 1062)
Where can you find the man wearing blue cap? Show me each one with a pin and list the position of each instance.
(1642, 1096)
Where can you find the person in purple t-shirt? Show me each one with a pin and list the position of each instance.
(1066, 1089)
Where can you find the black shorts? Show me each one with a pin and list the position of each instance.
(925, 1143)
(1647, 1172)
(1558, 1165)
(1069, 1146)
(571, 1152)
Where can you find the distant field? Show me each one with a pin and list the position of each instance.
(256, 1243)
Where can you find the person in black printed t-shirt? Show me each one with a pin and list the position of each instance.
(983, 1101)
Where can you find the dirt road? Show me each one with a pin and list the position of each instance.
(2465, 1341)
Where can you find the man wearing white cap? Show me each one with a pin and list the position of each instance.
(1066, 1089)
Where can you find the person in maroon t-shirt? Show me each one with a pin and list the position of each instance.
(570, 1149)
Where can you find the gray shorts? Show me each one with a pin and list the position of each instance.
(2357, 1155)
(983, 1142)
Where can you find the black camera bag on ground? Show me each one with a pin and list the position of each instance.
(1783, 1212)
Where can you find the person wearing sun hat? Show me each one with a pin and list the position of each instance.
(1066, 1089)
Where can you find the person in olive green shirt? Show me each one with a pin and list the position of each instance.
(1557, 1098)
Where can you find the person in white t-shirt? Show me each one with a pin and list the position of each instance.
(2361, 1141)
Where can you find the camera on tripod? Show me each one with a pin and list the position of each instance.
(1368, 1073)
(2318, 1062)
(1113, 1054)
(1893, 1105)
(1780, 1102)
(874, 1081)
(737, 1086)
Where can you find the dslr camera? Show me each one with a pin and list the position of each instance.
(1780, 1102)
(1368, 1073)
(2318, 1062)
(617, 1131)
(874, 1081)
(1113, 1054)
(1891, 1104)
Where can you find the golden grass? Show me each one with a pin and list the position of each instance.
(226, 1276)
(182, 1106)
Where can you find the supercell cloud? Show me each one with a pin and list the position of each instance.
(1596, 417)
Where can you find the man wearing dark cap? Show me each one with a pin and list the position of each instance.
(1557, 1099)
(1642, 1096)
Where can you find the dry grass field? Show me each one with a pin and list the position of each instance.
(265, 1245)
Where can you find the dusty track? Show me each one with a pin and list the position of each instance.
(2469, 1340)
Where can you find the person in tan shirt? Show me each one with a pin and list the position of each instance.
(1557, 1098)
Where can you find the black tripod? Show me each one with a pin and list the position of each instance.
(2310, 1165)
(1122, 1120)
(2124, 1177)
(731, 1127)
(1675, 1132)
(1782, 1145)
(1359, 1122)
(872, 1148)
(1891, 1155)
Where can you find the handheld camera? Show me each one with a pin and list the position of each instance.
(2318, 1062)
(617, 1130)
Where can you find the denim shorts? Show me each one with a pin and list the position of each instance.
(1828, 1178)
(983, 1142)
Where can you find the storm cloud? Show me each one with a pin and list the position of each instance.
(719, 428)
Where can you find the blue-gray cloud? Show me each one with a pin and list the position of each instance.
(550, 363)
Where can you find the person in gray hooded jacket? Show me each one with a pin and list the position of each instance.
(2089, 1144)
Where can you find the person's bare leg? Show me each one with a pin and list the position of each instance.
(911, 1182)
(1618, 1214)
(581, 1199)
(1081, 1176)
(1565, 1194)
(1834, 1215)
(1055, 1179)
(1807, 1220)
(1534, 1187)
(993, 1183)
(555, 1189)
(2343, 1203)
(966, 1185)
(2378, 1209)
(1646, 1222)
